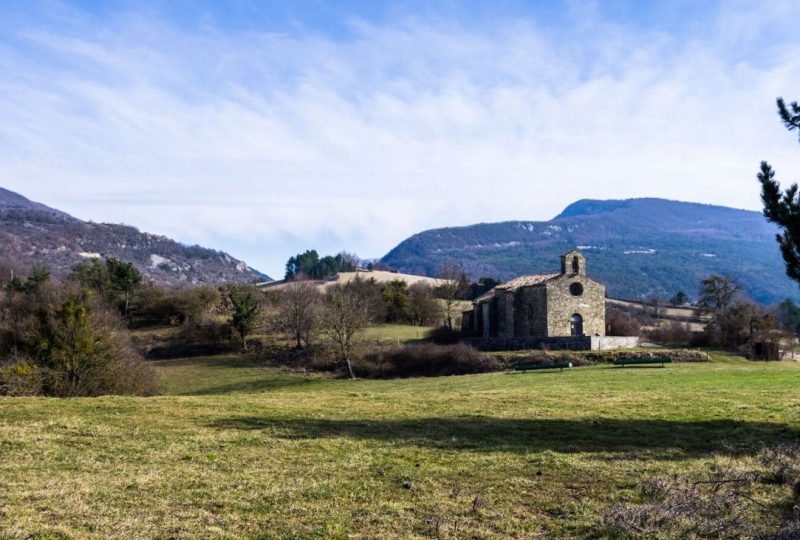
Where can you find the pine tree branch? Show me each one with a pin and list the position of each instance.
(791, 119)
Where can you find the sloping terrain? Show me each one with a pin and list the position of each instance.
(636, 247)
(31, 233)
(14, 201)
(380, 276)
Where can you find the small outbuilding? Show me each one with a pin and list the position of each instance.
(775, 345)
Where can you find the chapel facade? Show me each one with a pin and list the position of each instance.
(558, 305)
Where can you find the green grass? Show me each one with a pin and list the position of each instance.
(237, 450)
(396, 333)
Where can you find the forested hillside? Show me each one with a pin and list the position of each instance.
(637, 247)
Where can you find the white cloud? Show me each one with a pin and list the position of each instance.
(275, 143)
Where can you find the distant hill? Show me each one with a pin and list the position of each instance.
(635, 246)
(14, 201)
(32, 233)
(380, 276)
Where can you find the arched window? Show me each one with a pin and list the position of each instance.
(576, 325)
(576, 264)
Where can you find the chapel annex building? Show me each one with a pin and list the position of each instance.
(568, 304)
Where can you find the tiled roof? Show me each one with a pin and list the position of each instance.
(516, 283)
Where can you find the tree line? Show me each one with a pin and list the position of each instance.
(71, 336)
(732, 320)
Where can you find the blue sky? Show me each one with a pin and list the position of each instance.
(266, 128)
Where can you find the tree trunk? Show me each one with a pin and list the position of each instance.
(350, 368)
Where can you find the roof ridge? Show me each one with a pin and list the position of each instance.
(530, 280)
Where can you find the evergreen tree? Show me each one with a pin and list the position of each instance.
(679, 299)
(124, 278)
(783, 207)
(789, 316)
(396, 300)
(245, 311)
(38, 277)
(310, 265)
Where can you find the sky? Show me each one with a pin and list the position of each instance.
(267, 128)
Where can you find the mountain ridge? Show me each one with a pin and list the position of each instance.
(637, 247)
(10, 200)
(32, 233)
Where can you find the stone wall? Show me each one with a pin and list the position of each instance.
(505, 314)
(468, 326)
(586, 343)
(562, 304)
(530, 312)
(609, 343)
(534, 343)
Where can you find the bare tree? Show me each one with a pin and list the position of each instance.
(298, 310)
(449, 290)
(655, 302)
(345, 311)
(350, 259)
(716, 294)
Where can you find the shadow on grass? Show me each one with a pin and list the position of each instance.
(218, 375)
(642, 436)
(221, 361)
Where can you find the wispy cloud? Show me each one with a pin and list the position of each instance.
(271, 142)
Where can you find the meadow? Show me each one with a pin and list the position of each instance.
(234, 449)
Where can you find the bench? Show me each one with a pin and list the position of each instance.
(642, 361)
(537, 367)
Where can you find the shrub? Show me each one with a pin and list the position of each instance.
(86, 351)
(443, 335)
(672, 333)
(724, 505)
(154, 305)
(424, 361)
(77, 344)
(541, 357)
(621, 323)
(20, 378)
(200, 339)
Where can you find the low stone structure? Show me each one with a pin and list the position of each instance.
(584, 343)
(775, 345)
(564, 310)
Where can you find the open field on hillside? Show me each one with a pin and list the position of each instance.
(237, 450)
(380, 276)
(396, 333)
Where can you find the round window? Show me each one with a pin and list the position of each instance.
(576, 289)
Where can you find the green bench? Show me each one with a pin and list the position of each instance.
(537, 367)
(642, 361)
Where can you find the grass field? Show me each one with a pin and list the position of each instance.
(396, 334)
(237, 450)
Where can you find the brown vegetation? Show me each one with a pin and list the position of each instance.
(424, 361)
(723, 505)
(77, 344)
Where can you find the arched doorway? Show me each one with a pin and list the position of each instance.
(576, 325)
